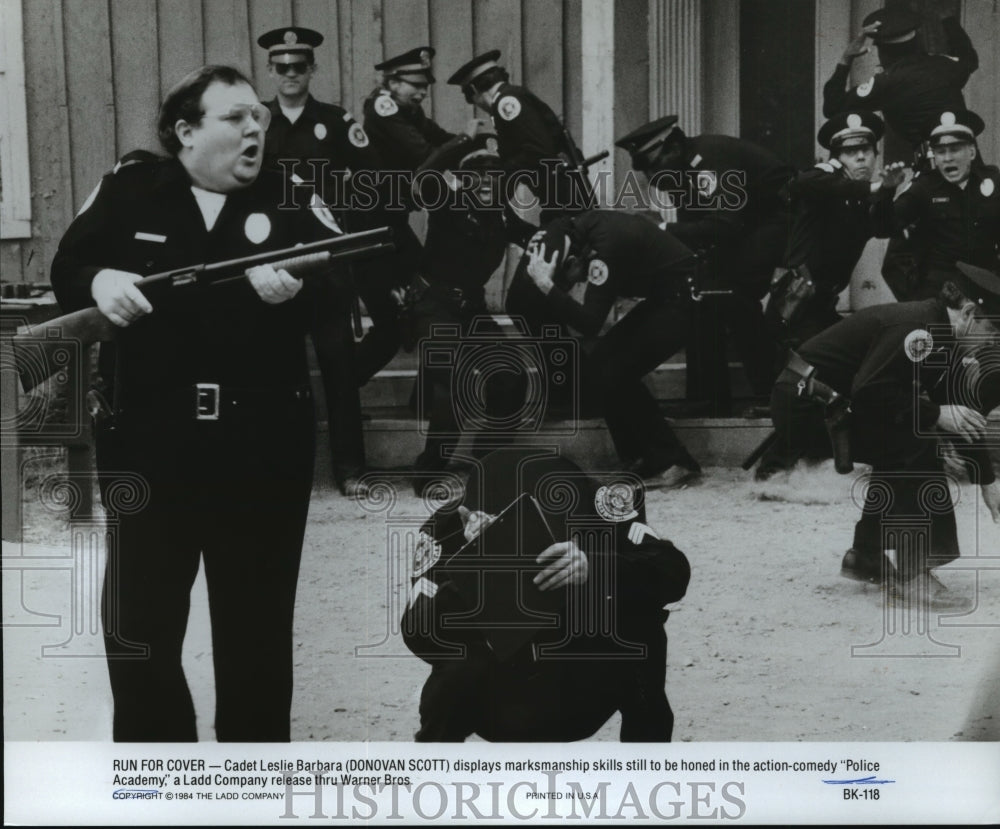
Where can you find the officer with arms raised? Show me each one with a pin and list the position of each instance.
(835, 205)
(207, 450)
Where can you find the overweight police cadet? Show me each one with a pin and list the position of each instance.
(834, 206)
(897, 364)
(730, 201)
(951, 213)
(913, 87)
(535, 148)
(618, 255)
(328, 144)
(605, 580)
(467, 238)
(207, 449)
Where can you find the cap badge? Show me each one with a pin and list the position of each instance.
(616, 502)
(865, 89)
(597, 273)
(291, 38)
(854, 121)
(425, 58)
(493, 147)
(509, 107)
(918, 344)
(947, 119)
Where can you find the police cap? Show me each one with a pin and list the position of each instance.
(982, 287)
(649, 136)
(895, 25)
(474, 68)
(289, 42)
(413, 66)
(961, 124)
(851, 129)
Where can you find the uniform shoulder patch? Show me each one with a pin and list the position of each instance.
(357, 136)
(597, 273)
(509, 107)
(825, 166)
(866, 88)
(615, 502)
(385, 106)
(426, 554)
(918, 344)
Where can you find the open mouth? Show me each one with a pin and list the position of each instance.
(950, 170)
(251, 152)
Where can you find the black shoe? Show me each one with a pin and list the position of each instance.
(864, 569)
(353, 488)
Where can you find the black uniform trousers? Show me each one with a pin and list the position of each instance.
(907, 506)
(333, 341)
(547, 701)
(234, 493)
(451, 396)
(746, 268)
(650, 333)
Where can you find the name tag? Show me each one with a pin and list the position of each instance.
(941, 199)
(150, 237)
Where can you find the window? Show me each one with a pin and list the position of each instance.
(15, 180)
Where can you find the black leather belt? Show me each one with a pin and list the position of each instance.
(211, 401)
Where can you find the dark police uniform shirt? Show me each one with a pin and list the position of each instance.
(649, 572)
(634, 258)
(729, 187)
(913, 91)
(866, 356)
(834, 217)
(143, 218)
(948, 223)
(403, 133)
(325, 132)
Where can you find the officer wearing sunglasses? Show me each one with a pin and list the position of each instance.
(322, 143)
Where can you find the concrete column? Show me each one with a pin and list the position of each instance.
(598, 39)
(675, 66)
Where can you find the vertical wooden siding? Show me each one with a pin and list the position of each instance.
(96, 71)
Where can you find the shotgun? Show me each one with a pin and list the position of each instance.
(37, 348)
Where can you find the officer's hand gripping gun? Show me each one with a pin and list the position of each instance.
(35, 348)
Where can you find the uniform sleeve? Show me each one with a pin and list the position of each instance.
(715, 227)
(410, 146)
(824, 182)
(83, 249)
(588, 317)
(354, 145)
(909, 208)
(649, 574)
(838, 98)
(525, 136)
(960, 47)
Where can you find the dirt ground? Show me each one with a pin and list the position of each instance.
(769, 644)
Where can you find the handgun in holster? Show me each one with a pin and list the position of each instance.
(791, 289)
(836, 410)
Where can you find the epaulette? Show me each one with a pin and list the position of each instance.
(830, 166)
(135, 157)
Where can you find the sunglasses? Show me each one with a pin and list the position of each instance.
(238, 115)
(300, 67)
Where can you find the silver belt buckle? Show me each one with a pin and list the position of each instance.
(206, 401)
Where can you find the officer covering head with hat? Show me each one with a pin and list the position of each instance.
(559, 680)
(913, 87)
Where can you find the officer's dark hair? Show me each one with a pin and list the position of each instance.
(183, 101)
(492, 76)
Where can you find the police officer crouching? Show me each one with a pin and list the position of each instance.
(900, 368)
(600, 581)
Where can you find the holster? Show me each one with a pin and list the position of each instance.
(791, 289)
(836, 409)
